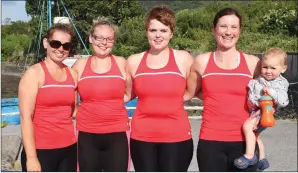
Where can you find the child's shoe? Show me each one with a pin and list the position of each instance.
(263, 164)
(243, 162)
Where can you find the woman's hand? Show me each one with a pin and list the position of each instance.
(33, 164)
(258, 119)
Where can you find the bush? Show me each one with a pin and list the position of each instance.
(280, 21)
(15, 45)
(132, 33)
(257, 43)
(184, 43)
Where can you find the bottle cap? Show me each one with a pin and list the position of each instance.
(266, 97)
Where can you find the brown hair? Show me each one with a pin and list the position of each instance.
(163, 14)
(225, 12)
(104, 21)
(276, 53)
(67, 28)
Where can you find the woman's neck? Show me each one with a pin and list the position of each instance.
(101, 56)
(223, 54)
(156, 52)
(53, 64)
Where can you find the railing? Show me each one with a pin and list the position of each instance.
(128, 108)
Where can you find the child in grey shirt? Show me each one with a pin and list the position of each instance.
(271, 82)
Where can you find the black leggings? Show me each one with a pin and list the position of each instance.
(218, 156)
(54, 160)
(161, 157)
(103, 152)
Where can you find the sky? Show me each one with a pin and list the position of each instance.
(15, 10)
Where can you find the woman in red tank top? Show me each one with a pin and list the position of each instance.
(222, 76)
(102, 119)
(161, 137)
(47, 101)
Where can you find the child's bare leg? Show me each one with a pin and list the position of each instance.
(261, 148)
(249, 158)
(250, 137)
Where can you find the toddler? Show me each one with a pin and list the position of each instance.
(271, 82)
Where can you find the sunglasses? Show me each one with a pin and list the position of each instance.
(57, 44)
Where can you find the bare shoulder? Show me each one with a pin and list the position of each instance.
(200, 62)
(32, 75)
(253, 63)
(33, 71)
(202, 59)
(135, 59)
(79, 63)
(183, 55)
(251, 59)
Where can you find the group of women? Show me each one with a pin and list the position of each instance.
(161, 77)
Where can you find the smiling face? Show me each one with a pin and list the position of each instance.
(227, 31)
(102, 40)
(57, 54)
(272, 67)
(158, 35)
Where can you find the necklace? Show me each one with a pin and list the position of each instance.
(222, 60)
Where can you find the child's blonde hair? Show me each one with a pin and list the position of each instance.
(276, 53)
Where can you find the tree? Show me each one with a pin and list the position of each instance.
(83, 12)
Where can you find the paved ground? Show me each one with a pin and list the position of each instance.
(280, 142)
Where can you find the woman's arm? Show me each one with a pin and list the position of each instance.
(76, 104)
(194, 79)
(193, 83)
(129, 92)
(28, 89)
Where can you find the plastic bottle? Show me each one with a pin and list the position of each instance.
(266, 105)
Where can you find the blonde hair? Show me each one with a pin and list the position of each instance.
(104, 21)
(276, 53)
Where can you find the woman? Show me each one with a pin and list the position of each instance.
(159, 80)
(223, 76)
(47, 94)
(102, 119)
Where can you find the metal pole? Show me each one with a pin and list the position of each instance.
(50, 12)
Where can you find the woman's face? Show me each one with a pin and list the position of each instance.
(158, 35)
(227, 31)
(102, 40)
(58, 46)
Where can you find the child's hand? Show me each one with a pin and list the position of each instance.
(266, 90)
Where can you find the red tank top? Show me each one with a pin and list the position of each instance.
(160, 114)
(102, 107)
(224, 95)
(52, 123)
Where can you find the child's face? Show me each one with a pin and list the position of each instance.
(272, 67)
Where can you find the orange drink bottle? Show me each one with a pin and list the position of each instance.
(266, 105)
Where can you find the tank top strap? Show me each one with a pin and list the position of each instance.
(142, 66)
(210, 64)
(172, 64)
(87, 68)
(115, 70)
(243, 67)
(47, 75)
(69, 78)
